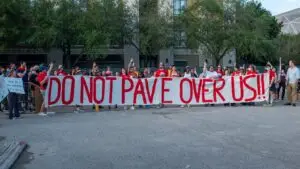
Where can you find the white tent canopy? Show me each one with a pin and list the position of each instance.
(291, 21)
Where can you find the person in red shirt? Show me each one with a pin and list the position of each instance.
(123, 73)
(60, 71)
(251, 70)
(161, 72)
(220, 71)
(43, 80)
(272, 79)
(236, 72)
(108, 71)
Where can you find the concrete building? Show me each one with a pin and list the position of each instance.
(119, 56)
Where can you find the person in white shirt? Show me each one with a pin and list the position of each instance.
(292, 78)
(187, 72)
(212, 74)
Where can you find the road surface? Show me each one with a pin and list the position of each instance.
(171, 138)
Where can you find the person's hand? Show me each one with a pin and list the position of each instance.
(94, 64)
(51, 65)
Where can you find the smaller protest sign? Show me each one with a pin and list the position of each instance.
(3, 89)
(15, 85)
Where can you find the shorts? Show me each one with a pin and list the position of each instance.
(273, 88)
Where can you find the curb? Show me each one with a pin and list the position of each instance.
(11, 154)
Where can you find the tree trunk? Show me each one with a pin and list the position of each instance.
(67, 56)
(217, 59)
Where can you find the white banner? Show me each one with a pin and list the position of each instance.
(15, 85)
(3, 89)
(88, 90)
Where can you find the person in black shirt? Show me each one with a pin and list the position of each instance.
(282, 84)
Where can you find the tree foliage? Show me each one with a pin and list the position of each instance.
(221, 27)
(289, 48)
(14, 21)
(257, 32)
(152, 27)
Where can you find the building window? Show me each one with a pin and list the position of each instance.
(179, 6)
(180, 39)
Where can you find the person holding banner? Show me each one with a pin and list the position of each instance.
(187, 74)
(272, 77)
(174, 72)
(161, 72)
(13, 103)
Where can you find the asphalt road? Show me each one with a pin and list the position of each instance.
(172, 138)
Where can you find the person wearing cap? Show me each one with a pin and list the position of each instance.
(43, 80)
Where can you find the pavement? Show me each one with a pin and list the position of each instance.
(171, 138)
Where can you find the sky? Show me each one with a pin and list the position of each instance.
(280, 6)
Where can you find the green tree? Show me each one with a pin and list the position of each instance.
(233, 24)
(14, 22)
(104, 24)
(207, 28)
(256, 33)
(152, 28)
(289, 47)
(56, 24)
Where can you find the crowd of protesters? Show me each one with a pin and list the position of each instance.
(35, 81)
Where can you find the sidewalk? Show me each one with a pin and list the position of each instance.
(10, 150)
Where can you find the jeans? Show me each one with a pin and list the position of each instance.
(281, 86)
(25, 97)
(13, 105)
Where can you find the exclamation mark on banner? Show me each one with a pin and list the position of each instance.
(263, 90)
(258, 87)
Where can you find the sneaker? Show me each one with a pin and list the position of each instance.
(288, 104)
(132, 108)
(42, 114)
(294, 105)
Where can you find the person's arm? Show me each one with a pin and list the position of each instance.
(50, 69)
(269, 63)
(21, 75)
(287, 76)
(298, 74)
